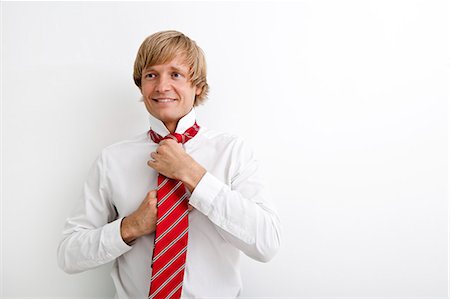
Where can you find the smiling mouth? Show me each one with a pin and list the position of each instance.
(164, 100)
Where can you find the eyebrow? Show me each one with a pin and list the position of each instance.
(172, 68)
(177, 69)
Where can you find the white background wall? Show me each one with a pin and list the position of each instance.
(344, 102)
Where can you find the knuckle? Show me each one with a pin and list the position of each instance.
(153, 204)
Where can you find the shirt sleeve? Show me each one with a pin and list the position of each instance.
(91, 236)
(239, 209)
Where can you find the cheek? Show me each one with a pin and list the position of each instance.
(146, 89)
(191, 94)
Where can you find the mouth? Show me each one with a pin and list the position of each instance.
(164, 100)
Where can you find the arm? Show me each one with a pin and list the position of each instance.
(91, 235)
(142, 221)
(243, 216)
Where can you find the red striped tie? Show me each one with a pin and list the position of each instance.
(171, 237)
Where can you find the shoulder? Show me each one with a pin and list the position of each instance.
(220, 138)
(126, 146)
(232, 143)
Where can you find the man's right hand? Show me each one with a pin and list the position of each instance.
(142, 221)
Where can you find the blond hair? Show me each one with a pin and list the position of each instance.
(161, 47)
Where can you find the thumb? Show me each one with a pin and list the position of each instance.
(152, 194)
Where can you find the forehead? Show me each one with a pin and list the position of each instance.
(177, 64)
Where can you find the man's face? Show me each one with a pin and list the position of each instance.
(167, 91)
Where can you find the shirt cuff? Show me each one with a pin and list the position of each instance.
(112, 238)
(205, 192)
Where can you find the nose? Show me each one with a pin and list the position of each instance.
(163, 84)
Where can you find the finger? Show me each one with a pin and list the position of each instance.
(169, 142)
(166, 141)
(154, 155)
(162, 148)
(152, 194)
(151, 163)
(190, 208)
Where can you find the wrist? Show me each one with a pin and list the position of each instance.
(192, 176)
(127, 231)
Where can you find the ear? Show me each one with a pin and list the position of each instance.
(198, 89)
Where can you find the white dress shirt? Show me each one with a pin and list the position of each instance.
(230, 215)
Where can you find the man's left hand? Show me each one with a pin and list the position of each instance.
(172, 161)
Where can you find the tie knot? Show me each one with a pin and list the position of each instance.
(180, 138)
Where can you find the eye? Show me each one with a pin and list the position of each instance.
(177, 75)
(150, 75)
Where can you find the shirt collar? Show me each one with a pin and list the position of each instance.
(184, 123)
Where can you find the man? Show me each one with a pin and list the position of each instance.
(210, 178)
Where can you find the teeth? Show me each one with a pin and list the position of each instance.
(165, 100)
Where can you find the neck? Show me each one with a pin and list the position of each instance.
(171, 126)
(168, 125)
